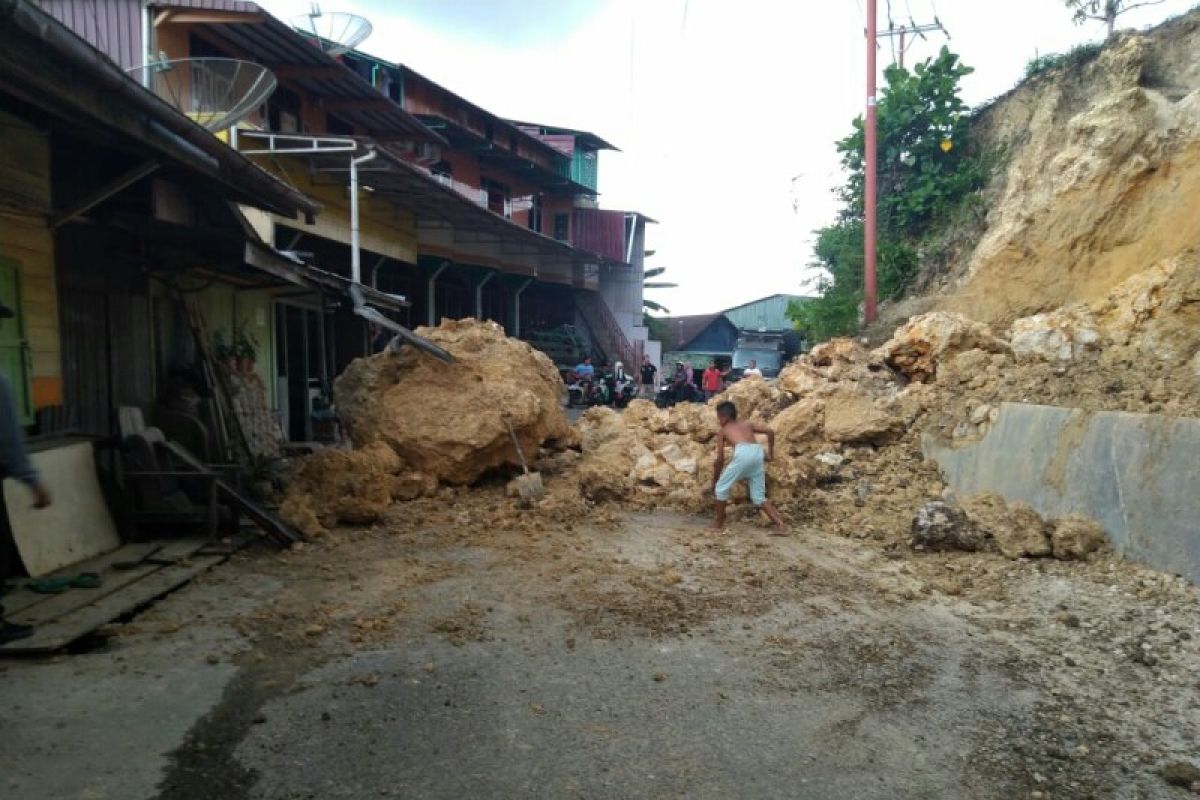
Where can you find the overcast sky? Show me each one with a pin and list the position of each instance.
(726, 112)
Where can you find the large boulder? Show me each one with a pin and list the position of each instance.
(1065, 334)
(854, 419)
(448, 420)
(800, 422)
(942, 526)
(917, 347)
(1075, 536)
(1017, 528)
(755, 398)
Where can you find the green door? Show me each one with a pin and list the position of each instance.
(14, 350)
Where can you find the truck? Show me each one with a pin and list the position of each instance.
(770, 349)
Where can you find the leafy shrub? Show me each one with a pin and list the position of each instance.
(1075, 57)
(927, 169)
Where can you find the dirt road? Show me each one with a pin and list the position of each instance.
(439, 655)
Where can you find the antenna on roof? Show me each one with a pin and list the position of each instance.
(335, 32)
(217, 93)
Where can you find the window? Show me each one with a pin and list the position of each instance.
(283, 111)
(535, 213)
(499, 200)
(443, 173)
(337, 126)
(562, 227)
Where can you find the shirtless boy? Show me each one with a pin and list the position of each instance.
(746, 464)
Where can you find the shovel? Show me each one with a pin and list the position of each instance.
(529, 486)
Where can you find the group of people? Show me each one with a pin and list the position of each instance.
(749, 458)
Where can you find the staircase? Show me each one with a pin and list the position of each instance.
(606, 331)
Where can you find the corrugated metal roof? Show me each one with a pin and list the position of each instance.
(768, 313)
(114, 27)
(296, 60)
(586, 137)
(50, 66)
(682, 330)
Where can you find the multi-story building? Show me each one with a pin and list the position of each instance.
(440, 207)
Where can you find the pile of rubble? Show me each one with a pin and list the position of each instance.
(418, 423)
(848, 420)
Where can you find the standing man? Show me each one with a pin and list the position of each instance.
(711, 380)
(14, 463)
(752, 370)
(649, 372)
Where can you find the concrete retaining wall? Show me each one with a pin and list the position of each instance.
(1137, 474)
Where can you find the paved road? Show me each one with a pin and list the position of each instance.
(642, 660)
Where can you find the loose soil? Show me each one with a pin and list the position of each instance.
(981, 676)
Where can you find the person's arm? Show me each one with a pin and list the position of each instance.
(13, 456)
(719, 463)
(770, 433)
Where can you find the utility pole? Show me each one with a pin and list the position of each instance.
(872, 156)
(904, 31)
(870, 299)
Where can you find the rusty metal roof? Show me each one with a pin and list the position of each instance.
(52, 68)
(294, 59)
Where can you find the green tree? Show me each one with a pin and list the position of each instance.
(1105, 11)
(926, 169)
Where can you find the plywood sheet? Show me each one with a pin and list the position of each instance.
(76, 526)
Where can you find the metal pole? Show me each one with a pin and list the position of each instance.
(355, 256)
(432, 311)
(872, 175)
(479, 295)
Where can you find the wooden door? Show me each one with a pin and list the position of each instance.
(14, 349)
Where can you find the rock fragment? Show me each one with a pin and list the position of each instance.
(1076, 536)
(942, 526)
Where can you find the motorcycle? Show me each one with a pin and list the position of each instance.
(578, 391)
(623, 391)
(670, 394)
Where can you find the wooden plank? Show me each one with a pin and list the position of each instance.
(71, 627)
(270, 524)
(32, 608)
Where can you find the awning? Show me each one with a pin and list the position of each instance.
(290, 268)
(48, 66)
(245, 30)
(437, 207)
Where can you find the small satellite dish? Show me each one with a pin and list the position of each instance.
(336, 32)
(215, 92)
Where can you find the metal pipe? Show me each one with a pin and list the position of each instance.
(375, 272)
(146, 51)
(872, 167)
(516, 325)
(355, 255)
(479, 294)
(431, 315)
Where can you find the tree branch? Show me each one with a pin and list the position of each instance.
(1141, 4)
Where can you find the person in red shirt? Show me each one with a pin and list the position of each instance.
(711, 381)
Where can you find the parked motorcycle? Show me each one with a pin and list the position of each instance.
(623, 391)
(578, 391)
(670, 394)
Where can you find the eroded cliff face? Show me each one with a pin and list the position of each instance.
(1101, 180)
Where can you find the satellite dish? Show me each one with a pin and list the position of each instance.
(336, 32)
(215, 92)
